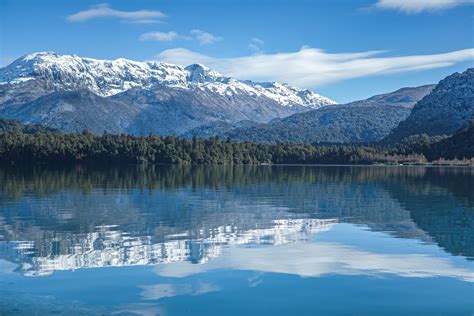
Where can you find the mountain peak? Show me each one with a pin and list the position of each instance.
(201, 73)
(37, 55)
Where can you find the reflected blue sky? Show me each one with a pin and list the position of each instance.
(266, 241)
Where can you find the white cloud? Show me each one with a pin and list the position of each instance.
(256, 44)
(257, 40)
(104, 10)
(312, 67)
(201, 36)
(417, 6)
(205, 37)
(161, 36)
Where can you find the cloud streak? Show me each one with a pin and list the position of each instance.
(313, 67)
(163, 290)
(256, 44)
(204, 38)
(161, 36)
(105, 11)
(418, 6)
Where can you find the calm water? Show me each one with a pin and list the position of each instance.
(237, 241)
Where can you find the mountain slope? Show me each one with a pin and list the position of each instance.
(175, 110)
(361, 121)
(219, 128)
(406, 97)
(449, 107)
(74, 111)
(337, 125)
(148, 96)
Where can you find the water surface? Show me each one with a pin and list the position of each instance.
(242, 240)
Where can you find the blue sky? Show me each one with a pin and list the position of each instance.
(344, 49)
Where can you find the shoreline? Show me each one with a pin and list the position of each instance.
(119, 164)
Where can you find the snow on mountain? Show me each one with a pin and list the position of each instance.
(103, 77)
(109, 77)
(288, 95)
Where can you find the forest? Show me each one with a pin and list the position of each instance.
(26, 144)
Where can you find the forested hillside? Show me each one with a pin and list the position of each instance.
(363, 121)
(448, 108)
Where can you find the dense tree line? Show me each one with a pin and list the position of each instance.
(54, 146)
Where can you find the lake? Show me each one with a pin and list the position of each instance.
(237, 240)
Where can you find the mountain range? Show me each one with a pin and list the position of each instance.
(123, 96)
(363, 121)
(72, 94)
(433, 110)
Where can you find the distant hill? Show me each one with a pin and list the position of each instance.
(448, 108)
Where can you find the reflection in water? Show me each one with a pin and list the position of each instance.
(309, 221)
(110, 247)
(318, 259)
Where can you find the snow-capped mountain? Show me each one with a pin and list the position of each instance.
(104, 78)
(109, 77)
(72, 93)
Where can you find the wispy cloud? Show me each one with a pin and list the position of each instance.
(312, 67)
(104, 10)
(205, 37)
(256, 44)
(417, 6)
(163, 290)
(161, 36)
(202, 37)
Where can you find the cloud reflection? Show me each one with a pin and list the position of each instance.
(159, 291)
(323, 258)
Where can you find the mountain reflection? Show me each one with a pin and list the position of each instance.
(109, 247)
(56, 219)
